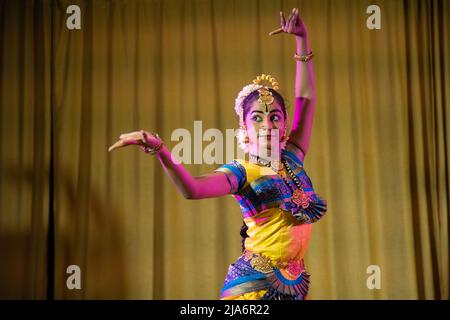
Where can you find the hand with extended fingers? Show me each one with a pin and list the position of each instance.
(148, 142)
(294, 25)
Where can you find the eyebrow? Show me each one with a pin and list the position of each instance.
(258, 111)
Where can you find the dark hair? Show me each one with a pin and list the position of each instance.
(255, 95)
(244, 235)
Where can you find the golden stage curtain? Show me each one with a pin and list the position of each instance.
(379, 151)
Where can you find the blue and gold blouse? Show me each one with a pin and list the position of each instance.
(271, 266)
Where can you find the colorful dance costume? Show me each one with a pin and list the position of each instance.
(279, 228)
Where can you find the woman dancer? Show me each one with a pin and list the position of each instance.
(275, 194)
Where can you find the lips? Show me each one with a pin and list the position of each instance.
(267, 136)
(266, 133)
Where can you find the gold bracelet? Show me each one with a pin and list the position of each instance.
(303, 58)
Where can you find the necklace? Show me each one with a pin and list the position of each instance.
(299, 197)
(274, 164)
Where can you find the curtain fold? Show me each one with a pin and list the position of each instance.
(379, 149)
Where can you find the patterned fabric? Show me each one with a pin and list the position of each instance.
(282, 283)
(254, 295)
(257, 192)
(278, 231)
(234, 169)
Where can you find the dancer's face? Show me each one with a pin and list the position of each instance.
(265, 127)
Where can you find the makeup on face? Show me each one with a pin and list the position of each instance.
(265, 124)
(266, 117)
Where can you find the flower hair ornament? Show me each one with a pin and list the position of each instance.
(265, 97)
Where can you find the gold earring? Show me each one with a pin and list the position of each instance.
(246, 138)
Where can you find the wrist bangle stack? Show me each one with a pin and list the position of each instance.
(304, 58)
(155, 149)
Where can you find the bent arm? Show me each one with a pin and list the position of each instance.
(207, 186)
(305, 98)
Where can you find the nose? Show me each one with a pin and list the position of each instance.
(269, 125)
(268, 128)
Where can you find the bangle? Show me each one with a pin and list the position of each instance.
(303, 58)
(155, 149)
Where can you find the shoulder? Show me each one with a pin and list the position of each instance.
(243, 171)
(235, 171)
(236, 166)
(294, 152)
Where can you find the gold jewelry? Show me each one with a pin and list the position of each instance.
(265, 265)
(304, 58)
(261, 264)
(299, 196)
(265, 96)
(155, 149)
(275, 165)
(269, 78)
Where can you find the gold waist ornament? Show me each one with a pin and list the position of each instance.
(265, 265)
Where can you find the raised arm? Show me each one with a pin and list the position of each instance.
(305, 89)
(215, 184)
(305, 97)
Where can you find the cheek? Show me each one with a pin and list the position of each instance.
(283, 129)
(284, 126)
(252, 130)
(281, 125)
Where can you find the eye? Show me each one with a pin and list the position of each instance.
(275, 117)
(256, 118)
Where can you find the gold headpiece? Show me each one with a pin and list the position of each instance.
(269, 78)
(265, 96)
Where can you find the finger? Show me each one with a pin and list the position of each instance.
(288, 21)
(279, 30)
(130, 134)
(282, 19)
(288, 26)
(137, 136)
(133, 140)
(120, 144)
(116, 145)
(295, 20)
(292, 14)
(123, 143)
(291, 21)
